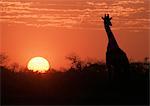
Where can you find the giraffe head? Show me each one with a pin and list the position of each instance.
(107, 19)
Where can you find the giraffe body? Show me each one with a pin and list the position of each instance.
(116, 59)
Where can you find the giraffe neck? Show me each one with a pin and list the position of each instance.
(112, 43)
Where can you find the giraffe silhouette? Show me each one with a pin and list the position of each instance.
(116, 59)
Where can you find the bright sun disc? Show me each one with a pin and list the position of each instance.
(39, 64)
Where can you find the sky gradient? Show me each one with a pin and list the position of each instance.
(55, 29)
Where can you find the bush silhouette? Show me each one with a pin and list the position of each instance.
(88, 86)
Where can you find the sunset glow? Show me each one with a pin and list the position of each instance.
(38, 64)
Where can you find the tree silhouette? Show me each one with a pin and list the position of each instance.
(76, 62)
(3, 59)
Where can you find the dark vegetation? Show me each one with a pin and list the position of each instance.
(81, 84)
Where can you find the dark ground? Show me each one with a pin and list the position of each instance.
(73, 87)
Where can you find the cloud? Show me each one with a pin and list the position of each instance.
(127, 2)
(69, 13)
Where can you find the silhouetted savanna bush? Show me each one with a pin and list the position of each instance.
(139, 70)
(88, 85)
(3, 59)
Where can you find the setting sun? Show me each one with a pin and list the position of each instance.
(39, 64)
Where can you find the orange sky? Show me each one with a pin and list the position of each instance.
(56, 28)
